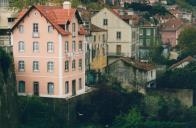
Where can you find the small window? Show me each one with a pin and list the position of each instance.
(73, 64)
(21, 46)
(66, 46)
(148, 32)
(21, 28)
(80, 45)
(94, 38)
(66, 65)
(50, 29)
(50, 47)
(35, 66)
(105, 22)
(35, 28)
(66, 87)
(73, 29)
(21, 87)
(118, 35)
(10, 19)
(50, 88)
(73, 46)
(141, 32)
(80, 84)
(50, 66)
(35, 46)
(21, 66)
(80, 64)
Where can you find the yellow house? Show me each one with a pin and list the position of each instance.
(99, 48)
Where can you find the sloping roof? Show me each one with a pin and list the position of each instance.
(55, 15)
(136, 64)
(187, 59)
(172, 25)
(95, 28)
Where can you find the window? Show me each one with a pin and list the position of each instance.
(141, 42)
(21, 28)
(141, 32)
(66, 46)
(50, 88)
(35, 46)
(147, 42)
(80, 45)
(73, 46)
(105, 22)
(80, 64)
(21, 87)
(80, 84)
(118, 35)
(148, 32)
(50, 66)
(21, 66)
(66, 65)
(73, 29)
(50, 47)
(10, 19)
(103, 36)
(66, 87)
(21, 46)
(73, 64)
(50, 29)
(94, 38)
(35, 66)
(35, 28)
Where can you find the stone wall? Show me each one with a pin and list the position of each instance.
(185, 96)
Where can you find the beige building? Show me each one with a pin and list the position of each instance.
(122, 35)
(7, 17)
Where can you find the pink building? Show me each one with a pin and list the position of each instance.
(48, 48)
(170, 32)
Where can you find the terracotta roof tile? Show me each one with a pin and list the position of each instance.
(55, 15)
(172, 25)
(187, 59)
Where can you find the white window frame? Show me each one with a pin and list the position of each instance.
(21, 28)
(118, 35)
(35, 46)
(50, 47)
(21, 66)
(80, 45)
(35, 27)
(50, 29)
(66, 46)
(21, 46)
(67, 65)
(50, 66)
(73, 65)
(35, 66)
(73, 46)
(80, 64)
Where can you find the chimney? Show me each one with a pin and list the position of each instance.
(66, 5)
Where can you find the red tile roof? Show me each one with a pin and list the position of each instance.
(172, 25)
(55, 15)
(187, 59)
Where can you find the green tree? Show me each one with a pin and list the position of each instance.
(187, 41)
(131, 120)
